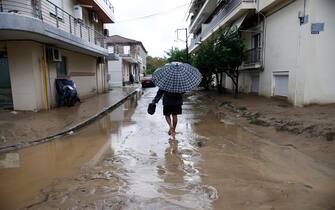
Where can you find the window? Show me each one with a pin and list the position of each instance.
(256, 41)
(61, 67)
(110, 49)
(126, 49)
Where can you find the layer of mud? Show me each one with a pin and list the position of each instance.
(126, 160)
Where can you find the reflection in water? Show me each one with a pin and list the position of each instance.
(38, 166)
(127, 162)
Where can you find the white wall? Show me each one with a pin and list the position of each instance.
(25, 73)
(307, 57)
(115, 73)
(317, 53)
(82, 69)
(282, 49)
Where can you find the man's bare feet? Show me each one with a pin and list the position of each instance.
(170, 131)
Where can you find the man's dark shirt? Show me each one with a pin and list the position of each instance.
(169, 99)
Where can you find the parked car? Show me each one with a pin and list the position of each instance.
(147, 81)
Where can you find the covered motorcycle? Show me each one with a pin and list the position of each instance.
(67, 92)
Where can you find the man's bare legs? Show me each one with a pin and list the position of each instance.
(168, 120)
(174, 123)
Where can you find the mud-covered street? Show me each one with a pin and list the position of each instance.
(126, 160)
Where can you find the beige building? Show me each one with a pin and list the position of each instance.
(289, 43)
(41, 40)
(126, 57)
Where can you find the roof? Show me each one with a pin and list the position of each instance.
(120, 40)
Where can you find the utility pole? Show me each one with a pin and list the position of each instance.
(186, 41)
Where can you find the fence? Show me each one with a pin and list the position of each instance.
(253, 56)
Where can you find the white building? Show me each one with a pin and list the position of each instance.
(290, 45)
(126, 57)
(41, 40)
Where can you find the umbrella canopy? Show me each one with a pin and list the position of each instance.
(177, 77)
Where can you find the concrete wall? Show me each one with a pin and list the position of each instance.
(24, 58)
(282, 48)
(317, 53)
(82, 69)
(143, 65)
(115, 73)
(307, 57)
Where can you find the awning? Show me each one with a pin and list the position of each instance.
(130, 59)
(237, 24)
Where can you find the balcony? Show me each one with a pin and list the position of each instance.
(254, 58)
(194, 43)
(219, 19)
(131, 58)
(103, 8)
(202, 11)
(230, 12)
(45, 22)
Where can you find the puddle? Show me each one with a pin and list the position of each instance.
(126, 161)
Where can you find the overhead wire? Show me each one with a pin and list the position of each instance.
(153, 15)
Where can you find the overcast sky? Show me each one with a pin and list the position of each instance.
(157, 33)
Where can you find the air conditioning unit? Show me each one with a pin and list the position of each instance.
(53, 54)
(78, 12)
(95, 17)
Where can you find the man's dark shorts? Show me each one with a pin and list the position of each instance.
(174, 110)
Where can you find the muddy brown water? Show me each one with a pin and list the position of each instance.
(126, 160)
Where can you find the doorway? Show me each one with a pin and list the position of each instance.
(6, 100)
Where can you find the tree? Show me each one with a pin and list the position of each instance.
(153, 63)
(230, 54)
(176, 55)
(221, 55)
(204, 60)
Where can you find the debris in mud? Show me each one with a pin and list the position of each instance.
(200, 144)
(260, 122)
(227, 120)
(330, 136)
(287, 125)
(3, 139)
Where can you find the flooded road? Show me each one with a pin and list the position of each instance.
(126, 160)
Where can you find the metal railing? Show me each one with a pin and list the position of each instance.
(53, 15)
(195, 41)
(254, 56)
(222, 14)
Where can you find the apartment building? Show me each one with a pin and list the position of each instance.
(42, 40)
(127, 58)
(289, 45)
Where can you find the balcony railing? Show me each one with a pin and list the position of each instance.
(223, 13)
(254, 56)
(53, 15)
(195, 41)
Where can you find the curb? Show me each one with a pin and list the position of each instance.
(67, 131)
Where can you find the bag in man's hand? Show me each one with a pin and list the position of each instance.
(151, 108)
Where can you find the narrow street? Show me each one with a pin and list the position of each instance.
(126, 160)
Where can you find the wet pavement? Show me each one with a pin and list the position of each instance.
(126, 160)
